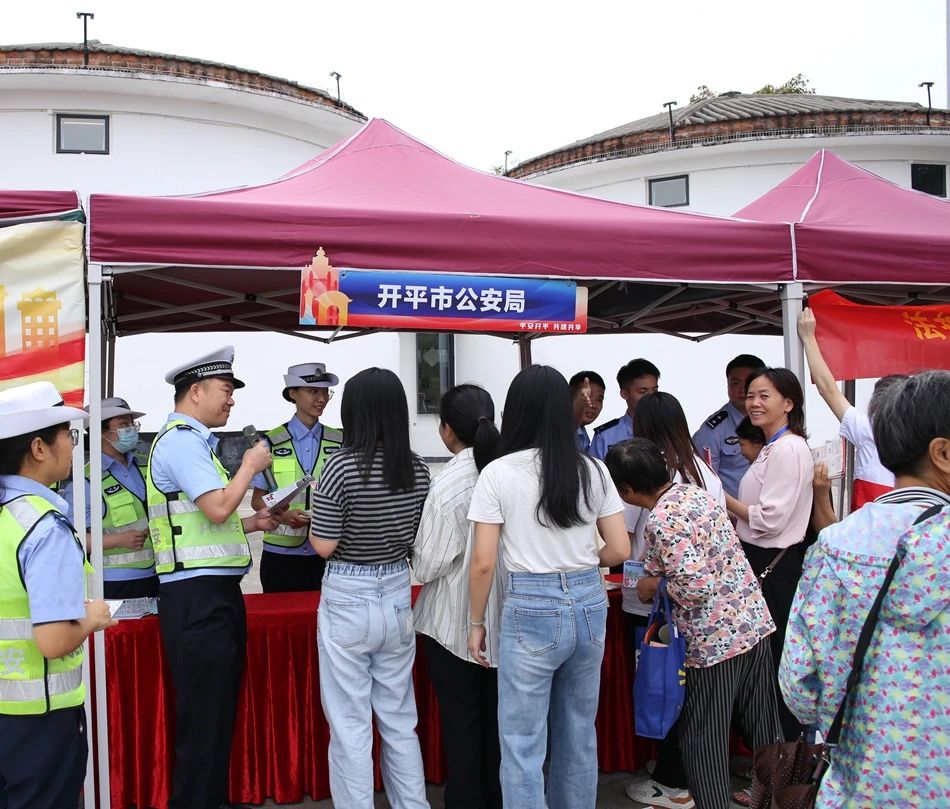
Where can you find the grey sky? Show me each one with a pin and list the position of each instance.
(475, 79)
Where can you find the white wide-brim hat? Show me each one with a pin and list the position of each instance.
(28, 408)
(115, 406)
(308, 375)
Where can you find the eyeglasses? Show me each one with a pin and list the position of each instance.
(135, 424)
(74, 436)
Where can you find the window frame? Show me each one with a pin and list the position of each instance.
(65, 116)
(652, 180)
(446, 342)
(929, 166)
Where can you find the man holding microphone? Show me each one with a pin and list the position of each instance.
(201, 553)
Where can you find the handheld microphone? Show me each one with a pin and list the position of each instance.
(253, 437)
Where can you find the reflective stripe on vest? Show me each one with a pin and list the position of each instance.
(183, 538)
(29, 683)
(287, 471)
(32, 690)
(124, 512)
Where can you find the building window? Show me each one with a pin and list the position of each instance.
(82, 134)
(930, 178)
(435, 369)
(670, 192)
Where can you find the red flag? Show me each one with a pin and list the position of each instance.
(859, 341)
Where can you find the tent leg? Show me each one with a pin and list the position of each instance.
(110, 367)
(96, 353)
(791, 296)
(524, 351)
(850, 393)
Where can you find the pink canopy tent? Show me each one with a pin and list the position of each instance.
(852, 227)
(383, 200)
(15, 204)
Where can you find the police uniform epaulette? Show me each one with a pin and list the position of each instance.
(184, 427)
(607, 426)
(333, 434)
(279, 435)
(714, 421)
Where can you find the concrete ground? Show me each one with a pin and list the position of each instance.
(610, 795)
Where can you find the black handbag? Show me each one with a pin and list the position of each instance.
(786, 775)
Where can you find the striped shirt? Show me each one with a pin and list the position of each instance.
(373, 525)
(441, 560)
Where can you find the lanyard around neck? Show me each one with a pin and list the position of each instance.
(777, 436)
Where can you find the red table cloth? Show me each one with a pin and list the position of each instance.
(281, 736)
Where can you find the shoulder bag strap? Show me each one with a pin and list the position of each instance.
(867, 631)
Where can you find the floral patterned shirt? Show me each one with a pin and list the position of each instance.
(719, 607)
(894, 749)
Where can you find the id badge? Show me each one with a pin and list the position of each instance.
(632, 571)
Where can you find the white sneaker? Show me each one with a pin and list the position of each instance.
(651, 793)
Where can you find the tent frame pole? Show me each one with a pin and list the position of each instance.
(524, 350)
(792, 296)
(96, 383)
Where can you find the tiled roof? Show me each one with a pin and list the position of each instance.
(151, 61)
(721, 114)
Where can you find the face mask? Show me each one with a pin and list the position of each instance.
(128, 439)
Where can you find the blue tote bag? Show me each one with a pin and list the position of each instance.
(659, 687)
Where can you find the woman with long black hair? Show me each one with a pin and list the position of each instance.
(44, 614)
(365, 513)
(467, 692)
(540, 506)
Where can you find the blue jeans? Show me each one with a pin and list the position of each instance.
(552, 646)
(367, 647)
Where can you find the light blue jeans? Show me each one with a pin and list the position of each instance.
(367, 647)
(552, 645)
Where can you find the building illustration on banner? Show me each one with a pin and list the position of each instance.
(39, 319)
(321, 302)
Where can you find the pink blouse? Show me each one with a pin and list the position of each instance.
(778, 491)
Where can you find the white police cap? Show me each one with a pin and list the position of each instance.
(114, 406)
(308, 375)
(216, 365)
(28, 408)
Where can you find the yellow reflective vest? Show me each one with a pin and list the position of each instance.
(183, 538)
(287, 471)
(29, 683)
(124, 512)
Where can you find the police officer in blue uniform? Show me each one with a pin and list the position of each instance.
(716, 441)
(588, 404)
(636, 379)
(300, 447)
(201, 554)
(44, 615)
(128, 562)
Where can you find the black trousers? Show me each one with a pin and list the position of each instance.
(42, 759)
(669, 770)
(739, 691)
(779, 591)
(468, 707)
(204, 633)
(131, 588)
(283, 573)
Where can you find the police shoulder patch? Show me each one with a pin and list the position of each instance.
(714, 421)
(606, 426)
(283, 452)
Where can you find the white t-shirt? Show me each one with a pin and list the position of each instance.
(856, 430)
(508, 492)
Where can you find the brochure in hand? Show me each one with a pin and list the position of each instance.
(284, 497)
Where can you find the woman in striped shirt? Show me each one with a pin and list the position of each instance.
(467, 692)
(365, 514)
